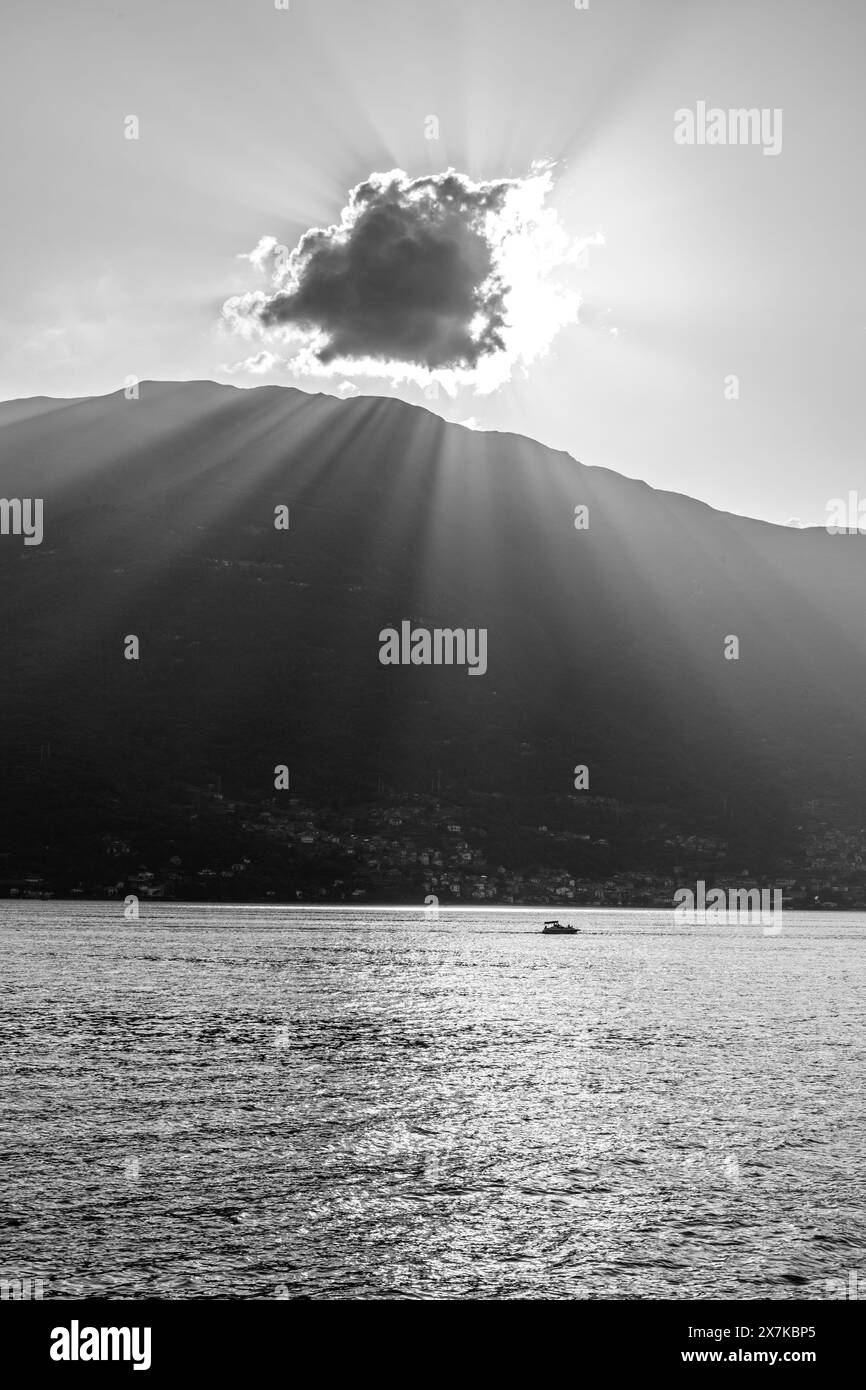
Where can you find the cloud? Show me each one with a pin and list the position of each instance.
(258, 364)
(435, 275)
(260, 254)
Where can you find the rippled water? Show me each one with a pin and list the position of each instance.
(259, 1103)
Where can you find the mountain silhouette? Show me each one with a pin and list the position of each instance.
(259, 647)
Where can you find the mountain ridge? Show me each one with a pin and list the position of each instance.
(56, 402)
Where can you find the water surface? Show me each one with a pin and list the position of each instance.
(257, 1103)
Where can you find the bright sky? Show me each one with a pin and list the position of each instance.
(254, 122)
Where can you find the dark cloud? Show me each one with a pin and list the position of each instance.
(408, 275)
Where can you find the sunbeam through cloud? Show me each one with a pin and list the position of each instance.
(439, 277)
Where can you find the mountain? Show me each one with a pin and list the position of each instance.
(260, 647)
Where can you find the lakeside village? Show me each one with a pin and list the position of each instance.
(403, 848)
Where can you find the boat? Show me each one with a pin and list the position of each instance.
(555, 928)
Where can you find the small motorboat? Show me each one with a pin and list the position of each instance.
(555, 928)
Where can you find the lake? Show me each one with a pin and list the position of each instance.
(224, 1102)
